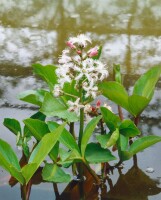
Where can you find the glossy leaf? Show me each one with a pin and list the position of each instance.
(123, 142)
(88, 132)
(115, 92)
(70, 89)
(103, 139)
(143, 143)
(137, 104)
(95, 154)
(110, 118)
(53, 173)
(35, 97)
(146, 83)
(66, 138)
(41, 151)
(113, 139)
(47, 73)
(37, 127)
(9, 161)
(13, 125)
(37, 115)
(117, 73)
(128, 128)
(53, 107)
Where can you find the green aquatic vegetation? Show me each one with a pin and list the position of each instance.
(73, 86)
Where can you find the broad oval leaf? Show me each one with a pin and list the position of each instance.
(95, 154)
(9, 161)
(113, 139)
(146, 83)
(35, 97)
(143, 143)
(37, 127)
(13, 125)
(128, 128)
(47, 73)
(115, 92)
(137, 104)
(53, 173)
(53, 107)
(110, 118)
(88, 132)
(66, 138)
(41, 151)
(103, 139)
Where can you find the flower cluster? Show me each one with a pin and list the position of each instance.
(77, 63)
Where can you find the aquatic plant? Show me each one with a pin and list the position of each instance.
(73, 87)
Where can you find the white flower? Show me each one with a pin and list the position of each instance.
(80, 40)
(64, 58)
(108, 107)
(75, 106)
(57, 90)
(91, 90)
(87, 108)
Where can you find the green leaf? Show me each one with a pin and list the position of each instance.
(41, 151)
(139, 145)
(137, 104)
(117, 73)
(53, 173)
(28, 171)
(9, 161)
(37, 115)
(37, 127)
(115, 92)
(66, 138)
(53, 107)
(143, 143)
(47, 73)
(123, 142)
(113, 139)
(13, 125)
(88, 132)
(128, 128)
(95, 154)
(70, 89)
(146, 83)
(103, 139)
(35, 97)
(110, 118)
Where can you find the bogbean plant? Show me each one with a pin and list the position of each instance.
(73, 85)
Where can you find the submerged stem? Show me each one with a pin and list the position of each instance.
(98, 181)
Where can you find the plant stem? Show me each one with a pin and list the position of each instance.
(71, 129)
(81, 127)
(120, 112)
(92, 173)
(136, 120)
(23, 192)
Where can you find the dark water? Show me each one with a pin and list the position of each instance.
(36, 31)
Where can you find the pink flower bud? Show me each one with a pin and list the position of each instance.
(98, 104)
(71, 45)
(93, 52)
(79, 52)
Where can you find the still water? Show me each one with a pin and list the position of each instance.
(34, 31)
